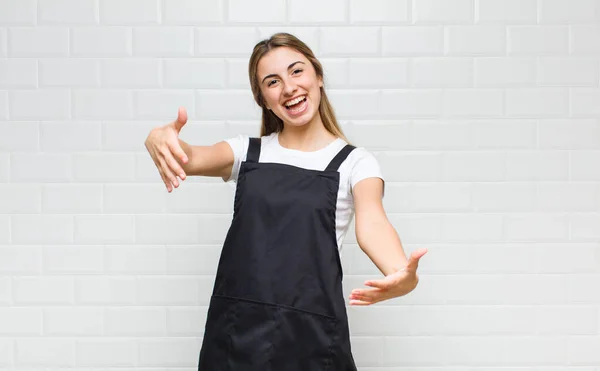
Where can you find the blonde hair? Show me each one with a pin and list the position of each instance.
(270, 122)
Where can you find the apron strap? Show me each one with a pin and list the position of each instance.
(339, 158)
(253, 150)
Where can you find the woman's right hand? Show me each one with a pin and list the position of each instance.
(163, 145)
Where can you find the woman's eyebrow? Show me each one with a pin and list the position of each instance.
(273, 74)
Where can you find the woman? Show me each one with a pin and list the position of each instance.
(277, 302)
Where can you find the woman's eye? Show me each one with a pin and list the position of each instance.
(269, 84)
(298, 70)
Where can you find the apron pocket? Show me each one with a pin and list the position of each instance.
(270, 337)
(217, 335)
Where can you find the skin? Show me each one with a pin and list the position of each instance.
(284, 74)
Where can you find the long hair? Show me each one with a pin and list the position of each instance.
(270, 122)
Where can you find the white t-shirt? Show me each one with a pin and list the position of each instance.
(360, 164)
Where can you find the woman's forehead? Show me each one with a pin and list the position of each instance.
(279, 59)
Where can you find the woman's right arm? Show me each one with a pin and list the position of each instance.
(175, 158)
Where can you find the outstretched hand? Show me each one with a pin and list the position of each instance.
(393, 285)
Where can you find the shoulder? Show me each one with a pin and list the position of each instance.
(362, 164)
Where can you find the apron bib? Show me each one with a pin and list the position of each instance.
(277, 302)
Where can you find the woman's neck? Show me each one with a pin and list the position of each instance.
(309, 137)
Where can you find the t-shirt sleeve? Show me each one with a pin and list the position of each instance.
(239, 146)
(365, 166)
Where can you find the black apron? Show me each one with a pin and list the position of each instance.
(277, 302)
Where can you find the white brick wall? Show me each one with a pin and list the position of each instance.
(484, 115)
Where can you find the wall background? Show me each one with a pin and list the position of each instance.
(484, 115)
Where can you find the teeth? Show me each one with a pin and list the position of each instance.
(292, 102)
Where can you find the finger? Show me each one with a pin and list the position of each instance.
(181, 118)
(415, 256)
(380, 284)
(167, 172)
(153, 156)
(360, 302)
(173, 164)
(165, 179)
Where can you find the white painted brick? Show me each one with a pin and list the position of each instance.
(496, 258)
(413, 40)
(259, 11)
(34, 229)
(69, 72)
(533, 102)
(569, 134)
(585, 102)
(536, 227)
(73, 259)
(5, 226)
(74, 321)
(570, 71)
(136, 259)
(157, 290)
(55, 12)
(195, 260)
(572, 320)
(305, 11)
(107, 352)
(355, 41)
(583, 288)
(20, 260)
(374, 73)
(167, 229)
(5, 290)
(183, 321)
(163, 41)
(104, 229)
(345, 105)
(504, 197)
(441, 72)
(163, 104)
(537, 165)
(229, 41)
(199, 198)
(474, 166)
(506, 11)
(20, 198)
(236, 70)
(475, 40)
(379, 134)
(584, 227)
(440, 135)
(19, 136)
(136, 321)
(40, 104)
(71, 198)
(3, 105)
(584, 39)
(231, 104)
(18, 73)
(411, 103)
(368, 351)
(509, 134)
(540, 40)
(417, 166)
(18, 12)
(3, 41)
(192, 73)
(43, 290)
(442, 11)
(102, 104)
(169, 352)
(107, 290)
(583, 165)
(191, 12)
(336, 71)
(38, 41)
(567, 197)
(114, 41)
(129, 135)
(551, 258)
(308, 35)
(128, 12)
(442, 197)
(40, 167)
(583, 349)
(379, 11)
(67, 136)
(574, 11)
(472, 103)
(103, 167)
(45, 352)
(124, 198)
(20, 321)
(505, 72)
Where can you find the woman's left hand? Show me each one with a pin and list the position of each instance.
(392, 286)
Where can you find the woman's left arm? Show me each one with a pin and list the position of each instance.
(379, 240)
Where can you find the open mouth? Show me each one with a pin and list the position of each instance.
(298, 106)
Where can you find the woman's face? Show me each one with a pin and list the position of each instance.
(286, 76)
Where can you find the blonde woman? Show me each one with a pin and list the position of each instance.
(277, 302)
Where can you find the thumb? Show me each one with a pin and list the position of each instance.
(181, 119)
